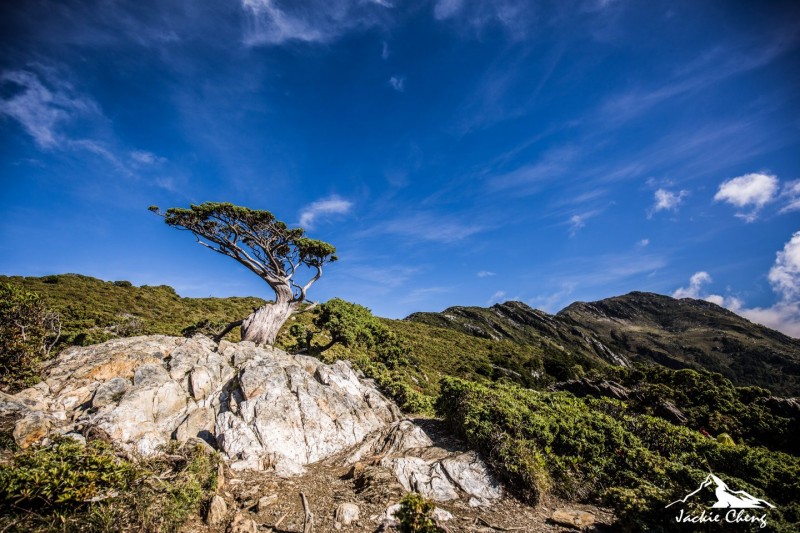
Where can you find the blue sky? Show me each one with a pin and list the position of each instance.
(456, 152)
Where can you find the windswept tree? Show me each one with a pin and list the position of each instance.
(288, 261)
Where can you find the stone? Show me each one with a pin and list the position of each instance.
(201, 381)
(110, 392)
(419, 465)
(243, 524)
(576, 519)
(441, 515)
(266, 501)
(346, 514)
(150, 374)
(31, 428)
(217, 510)
(199, 423)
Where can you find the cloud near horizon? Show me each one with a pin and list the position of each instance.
(784, 277)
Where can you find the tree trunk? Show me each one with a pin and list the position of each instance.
(264, 324)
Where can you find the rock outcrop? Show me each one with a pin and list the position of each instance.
(262, 408)
(440, 474)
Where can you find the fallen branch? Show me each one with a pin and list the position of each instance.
(281, 519)
(308, 521)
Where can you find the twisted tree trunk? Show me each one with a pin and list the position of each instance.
(263, 325)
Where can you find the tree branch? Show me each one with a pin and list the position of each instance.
(218, 337)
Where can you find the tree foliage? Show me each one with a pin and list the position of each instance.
(256, 239)
(28, 331)
(351, 325)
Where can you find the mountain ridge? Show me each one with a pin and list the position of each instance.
(642, 327)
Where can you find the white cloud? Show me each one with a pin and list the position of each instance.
(665, 200)
(332, 205)
(791, 196)
(496, 297)
(146, 158)
(748, 191)
(485, 274)
(784, 276)
(384, 50)
(398, 83)
(514, 16)
(785, 273)
(316, 21)
(42, 107)
(578, 221)
(696, 283)
(643, 243)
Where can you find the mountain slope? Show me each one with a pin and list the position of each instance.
(93, 310)
(642, 327)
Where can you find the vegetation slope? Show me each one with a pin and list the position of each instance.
(497, 387)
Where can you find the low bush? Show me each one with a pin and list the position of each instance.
(72, 486)
(415, 515)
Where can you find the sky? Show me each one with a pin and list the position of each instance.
(455, 152)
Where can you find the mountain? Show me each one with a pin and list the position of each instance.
(643, 327)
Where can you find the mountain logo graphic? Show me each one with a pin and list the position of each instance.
(726, 498)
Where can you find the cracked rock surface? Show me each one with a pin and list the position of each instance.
(262, 408)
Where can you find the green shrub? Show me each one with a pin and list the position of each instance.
(71, 486)
(28, 331)
(415, 514)
(597, 450)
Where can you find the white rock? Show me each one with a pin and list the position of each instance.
(346, 514)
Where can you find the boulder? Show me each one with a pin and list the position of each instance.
(576, 519)
(217, 510)
(345, 514)
(243, 524)
(418, 464)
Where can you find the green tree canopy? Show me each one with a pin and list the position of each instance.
(267, 247)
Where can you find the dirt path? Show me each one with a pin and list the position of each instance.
(326, 487)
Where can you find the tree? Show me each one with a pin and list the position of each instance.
(264, 245)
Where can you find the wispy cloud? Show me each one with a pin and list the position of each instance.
(423, 293)
(485, 274)
(313, 212)
(514, 16)
(665, 200)
(749, 191)
(791, 196)
(531, 177)
(498, 296)
(43, 107)
(644, 243)
(272, 22)
(426, 226)
(578, 221)
(715, 65)
(398, 83)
